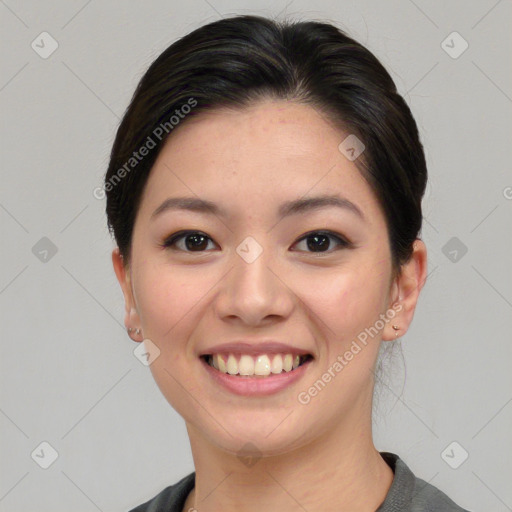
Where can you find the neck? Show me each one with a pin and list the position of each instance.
(338, 471)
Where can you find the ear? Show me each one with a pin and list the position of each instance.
(123, 273)
(406, 291)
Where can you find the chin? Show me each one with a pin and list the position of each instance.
(258, 438)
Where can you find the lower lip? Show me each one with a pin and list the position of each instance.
(256, 386)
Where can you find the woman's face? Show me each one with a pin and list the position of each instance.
(250, 274)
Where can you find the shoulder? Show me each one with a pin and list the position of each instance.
(409, 493)
(171, 499)
(428, 498)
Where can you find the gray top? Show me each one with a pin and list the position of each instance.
(406, 494)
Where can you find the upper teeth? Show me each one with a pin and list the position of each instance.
(259, 365)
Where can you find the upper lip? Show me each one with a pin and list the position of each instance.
(254, 348)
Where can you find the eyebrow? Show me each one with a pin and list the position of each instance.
(295, 207)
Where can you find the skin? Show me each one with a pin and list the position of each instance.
(315, 456)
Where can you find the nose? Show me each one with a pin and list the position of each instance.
(255, 291)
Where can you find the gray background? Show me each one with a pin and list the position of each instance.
(68, 373)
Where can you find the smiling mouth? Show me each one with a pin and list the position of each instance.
(262, 366)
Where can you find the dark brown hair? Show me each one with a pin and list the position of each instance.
(236, 61)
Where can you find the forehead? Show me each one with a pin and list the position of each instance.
(267, 128)
(270, 151)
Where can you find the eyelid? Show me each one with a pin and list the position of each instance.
(343, 242)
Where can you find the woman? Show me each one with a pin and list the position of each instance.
(264, 191)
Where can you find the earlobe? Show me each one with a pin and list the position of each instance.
(132, 320)
(410, 282)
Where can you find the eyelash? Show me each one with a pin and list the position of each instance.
(343, 243)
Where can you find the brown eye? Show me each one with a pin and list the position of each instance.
(193, 241)
(196, 241)
(319, 241)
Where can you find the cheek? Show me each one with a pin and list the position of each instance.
(165, 297)
(346, 302)
(169, 300)
(347, 306)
